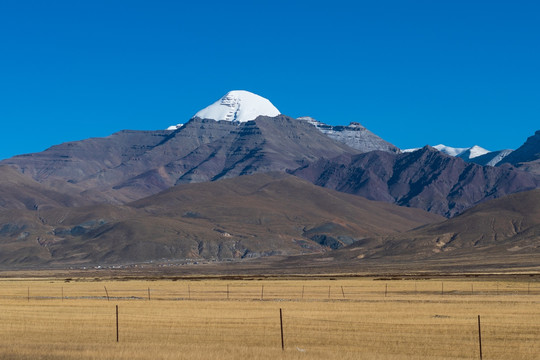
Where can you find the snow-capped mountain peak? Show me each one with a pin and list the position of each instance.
(464, 153)
(469, 153)
(474, 154)
(452, 151)
(238, 106)
(476, 151)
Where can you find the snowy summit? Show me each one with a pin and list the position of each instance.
(452, 151)
(464, 153)
(238, 106)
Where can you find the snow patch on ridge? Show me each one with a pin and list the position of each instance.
(175, 127)
(409, 150)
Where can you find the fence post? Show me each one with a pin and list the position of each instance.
(262, 292)
(29, 294)
(117, 338)
(302, 292)
(189, 292)
(385, 289)
(227, 291)
(343, 292)
(479, 337)
(106, 293)
(281, 327)
(148, 294)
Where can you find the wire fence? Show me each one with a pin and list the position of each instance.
(195, 291)
(305, 333)
(315, 317)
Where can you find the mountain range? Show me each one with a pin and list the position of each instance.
(245, 217)
(426, 179)
(240, 180)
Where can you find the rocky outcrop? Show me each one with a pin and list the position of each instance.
(354, 135)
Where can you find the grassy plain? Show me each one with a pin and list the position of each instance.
(343, 318)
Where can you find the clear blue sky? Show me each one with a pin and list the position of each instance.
(414, 72)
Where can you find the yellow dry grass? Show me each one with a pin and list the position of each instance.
(323, 319)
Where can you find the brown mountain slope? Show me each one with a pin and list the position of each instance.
(21, 192)
(65, 167)
(493, 232)
(247, 216)
(496, 236)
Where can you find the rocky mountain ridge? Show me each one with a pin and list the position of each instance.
(527, 156)
(130, 165)
(354, 135)
(426, 179)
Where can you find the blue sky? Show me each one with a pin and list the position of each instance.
(414, 72)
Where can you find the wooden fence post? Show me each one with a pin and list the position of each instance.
(117, 338)
(148, 294)
(479, 337)
(106, 293)
(281, 326)
(343, 292)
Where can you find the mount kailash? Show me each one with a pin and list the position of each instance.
(231, 183)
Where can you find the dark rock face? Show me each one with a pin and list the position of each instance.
(529, 151)
(425, 179)
(527, 156)
(130, 165)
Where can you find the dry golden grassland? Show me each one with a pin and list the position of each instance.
(355, 318)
